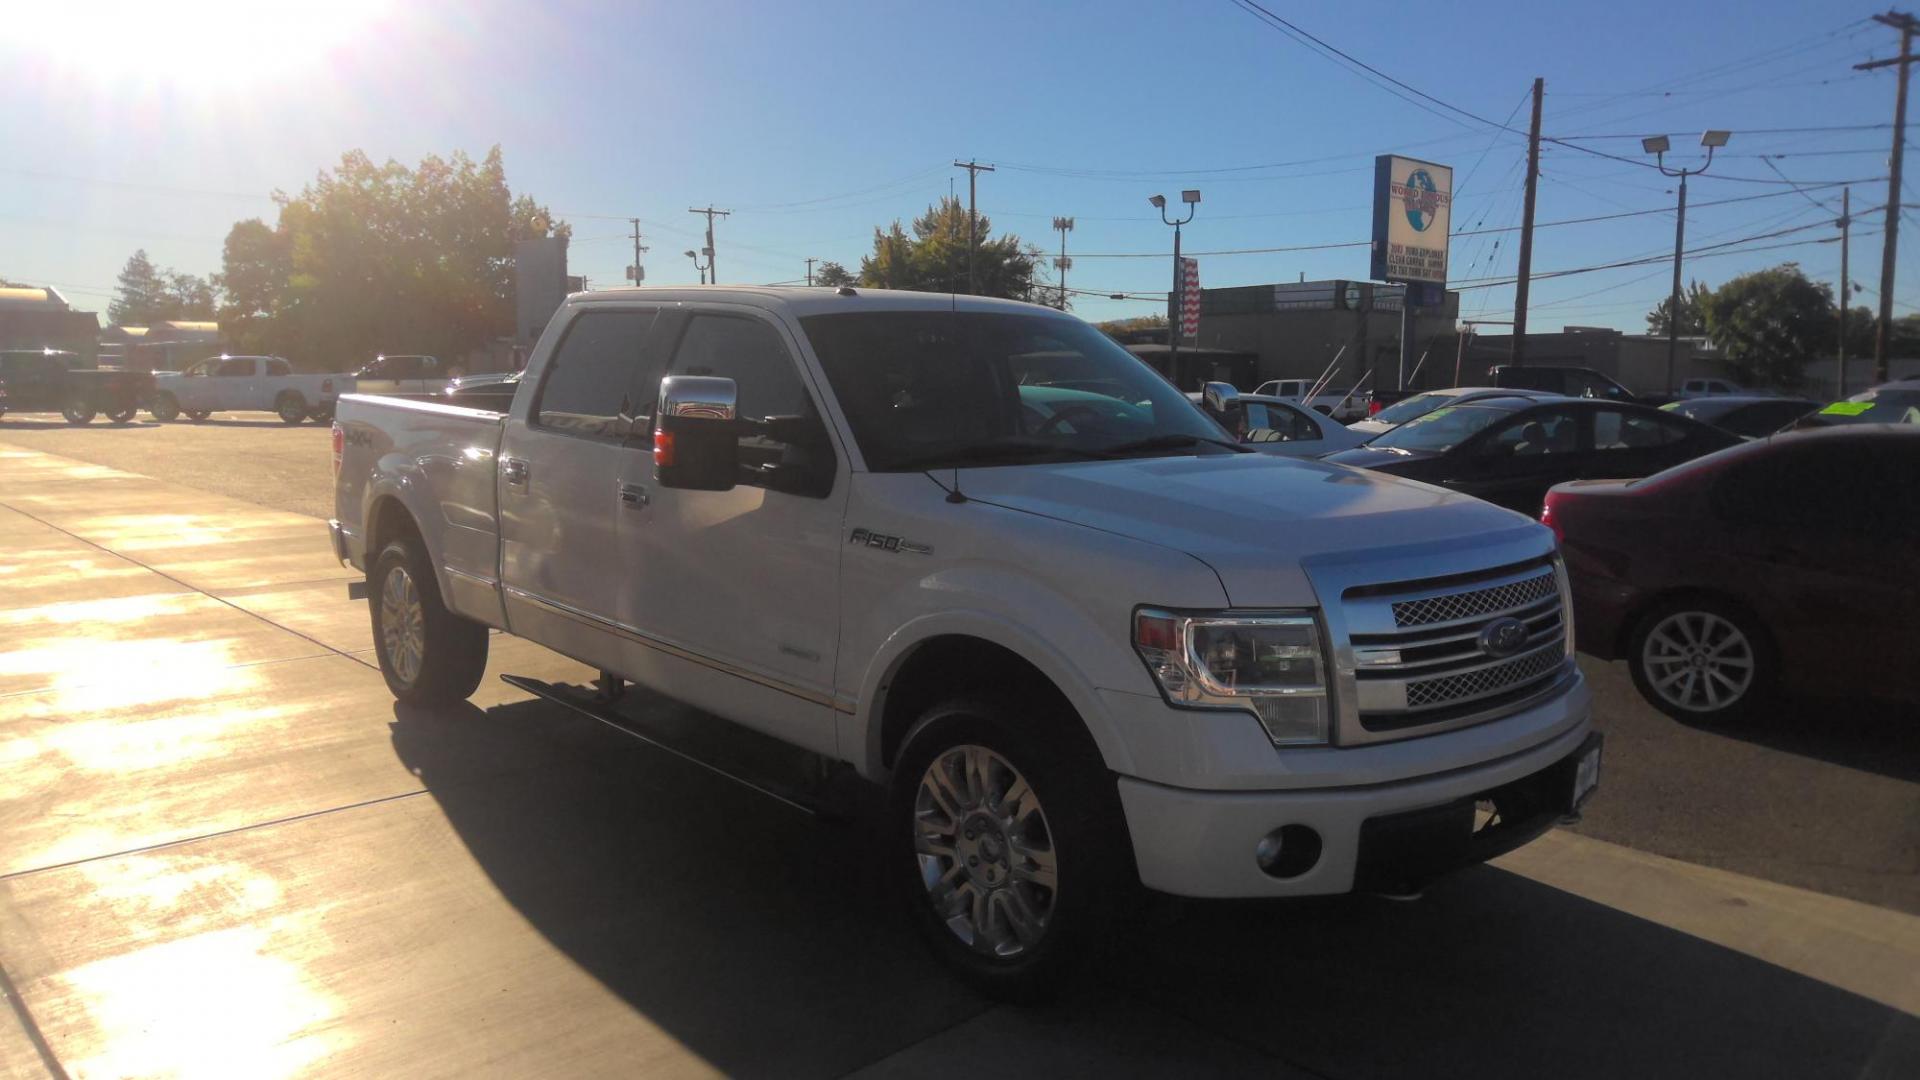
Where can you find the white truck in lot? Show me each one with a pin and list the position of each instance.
(1333, 401)
(245, 384)
(1085, 641)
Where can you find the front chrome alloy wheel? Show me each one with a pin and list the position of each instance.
(986, 854)
(403, 624)
(1698, 661)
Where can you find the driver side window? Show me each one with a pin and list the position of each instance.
(1555, 432)
(784, 445)
(235, 368)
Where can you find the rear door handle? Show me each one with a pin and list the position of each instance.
(634, 496)
(514, 471)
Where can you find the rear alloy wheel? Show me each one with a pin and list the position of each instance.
(165, 408)
(123, 416)
(78, 410)
(1701, 660)
(291, 407)
(197, 415)
(429, 655)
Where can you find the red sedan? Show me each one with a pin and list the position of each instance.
(1789, 563)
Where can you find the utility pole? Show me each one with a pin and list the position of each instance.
(1846, 288)
(713, 273)
(810, 263)
(1063, 264)
(1524, 285)
(974, 169)
(1906, 25)
(639, 275)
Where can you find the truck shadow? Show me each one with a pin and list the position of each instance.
(765, 941)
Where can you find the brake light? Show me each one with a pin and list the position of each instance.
(1550, 520)
(1374, 407)
(662, 449)
(326, 386)
(339, 447)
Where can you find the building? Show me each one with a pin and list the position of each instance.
(1635, 361)
(166, 345)
(40, 318)
(1295, 331)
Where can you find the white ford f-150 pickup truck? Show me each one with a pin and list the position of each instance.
(1084, 640)
(245, 384)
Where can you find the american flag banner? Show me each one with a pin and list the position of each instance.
(1189, 298)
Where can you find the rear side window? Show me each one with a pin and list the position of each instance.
(1614, 429)
(279, 367)
(591, 379)
(233, 368)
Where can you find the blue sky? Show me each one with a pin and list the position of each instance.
(814, 123)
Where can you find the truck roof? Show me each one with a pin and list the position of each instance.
(815, 300)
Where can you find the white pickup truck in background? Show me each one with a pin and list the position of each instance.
(1333, 401)
(1083, 641)
(391, 373)
(245, 384)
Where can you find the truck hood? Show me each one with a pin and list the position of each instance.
(1261, 522)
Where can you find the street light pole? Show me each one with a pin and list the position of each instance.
(1063, 264)
(1658, 147)
(1191, 197)
(695, 256)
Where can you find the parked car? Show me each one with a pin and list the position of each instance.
(1274, 425)
(246, 384)
(1565, 381)
(1792, 562)
(1746, 416)
(1699, 388)
(1077, 641)
(47, 380)
(490, 391)
(1897, 402)
(405, 374)
(1509, 451)
(1333, 401)
(1421, 404)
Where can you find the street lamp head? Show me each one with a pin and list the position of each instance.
(689, 254)
(1190, 196)
(1715, 139)
(1658, 144)
(1064, 224)
(1159, 201)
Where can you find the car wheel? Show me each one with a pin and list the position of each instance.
(165, 408)
(291, 407)
(428, 655)
(198, 415)
(123, 416)
(1702, 659)
(78, 410)
(1002, 846)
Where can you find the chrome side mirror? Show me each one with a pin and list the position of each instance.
(1218, 397)
(696, 439)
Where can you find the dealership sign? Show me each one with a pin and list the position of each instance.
(1412, 215)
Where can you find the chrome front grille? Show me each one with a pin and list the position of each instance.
(1419, 662)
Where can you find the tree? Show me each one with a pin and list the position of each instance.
(934, 258)
(148, 294)
(833, 275)
(1769, 323)
(1693, 316)
(1115, 328)
(371, 258)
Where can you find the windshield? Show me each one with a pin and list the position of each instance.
(1440, 430)
(923, 389)
(1883, 406)
(1417, 405)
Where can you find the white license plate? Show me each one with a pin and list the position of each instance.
(1586, 776)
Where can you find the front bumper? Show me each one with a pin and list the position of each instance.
(1388, 837)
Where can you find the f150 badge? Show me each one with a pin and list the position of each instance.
(869, 538)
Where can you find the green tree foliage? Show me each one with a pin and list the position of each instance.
(1114, 328)
(1693, 314)
(1769, 323)
(148, 294)
(372, 258)
(833, 275)
(934, 258)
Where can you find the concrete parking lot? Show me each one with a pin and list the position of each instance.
(224, 850)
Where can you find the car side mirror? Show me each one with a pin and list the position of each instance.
(696, 439)
(1218, 397)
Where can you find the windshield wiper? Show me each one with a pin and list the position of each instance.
(995, 452)
(1172, 441)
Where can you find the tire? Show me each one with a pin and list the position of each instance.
(198, 415)
(1700, 659)
(165, 407)
(291, 407)
(1067, 821)
(428, 655)
(123, 415)
(79, 411)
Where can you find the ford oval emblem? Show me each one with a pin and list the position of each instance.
(1503, 637)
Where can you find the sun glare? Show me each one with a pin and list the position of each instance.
(197, 45)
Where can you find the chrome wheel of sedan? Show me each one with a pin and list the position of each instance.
(1698, 661)
(985, 851)
(403, 624)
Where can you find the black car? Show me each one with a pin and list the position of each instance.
(52, 380)
(1897, 402)
(1749, 416)
(1509, 451)
(493, 391)
(1553, 379)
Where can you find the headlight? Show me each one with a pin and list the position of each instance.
(1271, 664)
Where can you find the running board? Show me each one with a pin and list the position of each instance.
(603, 711)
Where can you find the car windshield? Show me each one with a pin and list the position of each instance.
(1886, 405)
(926, 389)
(1417, 405)
(1440, 430)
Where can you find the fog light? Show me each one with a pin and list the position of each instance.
(1288, 851)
